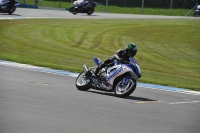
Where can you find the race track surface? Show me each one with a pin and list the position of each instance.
(41, 13)
(40, 102)
(37, 102)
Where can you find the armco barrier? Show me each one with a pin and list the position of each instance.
(27, 6)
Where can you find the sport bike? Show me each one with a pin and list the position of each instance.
(120, 78)
(5, 8)
(197, 13)
(84, 8)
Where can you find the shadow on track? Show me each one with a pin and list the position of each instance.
(129, 97)
(6, 14)
(89, 15)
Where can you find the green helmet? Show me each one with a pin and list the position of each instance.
(131, 48)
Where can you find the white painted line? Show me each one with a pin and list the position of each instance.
(39, 69)
(170, 89)
(192, 92)
(185, 102)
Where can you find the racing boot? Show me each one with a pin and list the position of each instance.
(102, 65)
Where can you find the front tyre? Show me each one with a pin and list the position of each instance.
(124, 90)
(90, 11)
(82, 82)
(196, 14)
(11, 10)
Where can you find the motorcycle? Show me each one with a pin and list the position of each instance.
(197, 12)
(84, 8)
(120, 78)
(5, 8)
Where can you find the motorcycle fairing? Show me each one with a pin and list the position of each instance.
(91, 4)
(118, 70)
(6, 3)
(112, 71)
(121, 69)
(100, 85)
(136, 67)
(97, 61)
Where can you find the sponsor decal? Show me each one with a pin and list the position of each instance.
(115, 73)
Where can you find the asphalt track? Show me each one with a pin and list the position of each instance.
(40, 102)
(22, 13)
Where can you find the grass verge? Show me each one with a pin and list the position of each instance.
(169, 50)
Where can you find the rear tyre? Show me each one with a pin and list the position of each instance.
(124, 90)
(74, 12)
(82, 82)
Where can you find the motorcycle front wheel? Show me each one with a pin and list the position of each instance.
(90, 11)
(11, 10)
(123, 90)
(82, 82)
(196, 14)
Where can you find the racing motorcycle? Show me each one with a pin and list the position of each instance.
(120, 78)
(4, 6)
(84, 8)
(197, 12)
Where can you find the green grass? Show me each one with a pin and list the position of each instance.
(147, 11)
(117, 9)
(169, 50)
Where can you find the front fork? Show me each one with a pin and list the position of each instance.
(125, 80)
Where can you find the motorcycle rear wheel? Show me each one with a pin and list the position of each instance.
(74, 12)
(83, 83)
(124, 90)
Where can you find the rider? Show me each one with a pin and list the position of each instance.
(77, 2)
(198, 7)
(11, 3)
(122, 56)
(80, 3)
